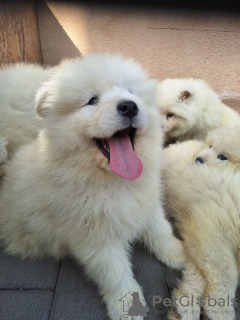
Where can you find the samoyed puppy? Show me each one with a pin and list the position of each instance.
(204, 202)
(223, 149)
(89, 184)
(18, 86)
(189, 109)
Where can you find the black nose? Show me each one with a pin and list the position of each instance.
(128, 109)
(198, 159)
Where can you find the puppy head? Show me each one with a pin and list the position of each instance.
(223, 149)
(181, 154)
(182, 103)
(102, 105)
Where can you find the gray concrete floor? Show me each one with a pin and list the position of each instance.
(49, 290)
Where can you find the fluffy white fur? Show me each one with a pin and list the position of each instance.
(204, 202)
(18, 85)
(3, 155)
(223, 149)
(189, 109)
(59, 195)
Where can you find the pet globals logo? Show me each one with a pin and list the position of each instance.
(133, 306)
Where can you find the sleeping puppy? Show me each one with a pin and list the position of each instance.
(189, 109)
(89, 185)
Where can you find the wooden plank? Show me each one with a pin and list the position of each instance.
(19, 36)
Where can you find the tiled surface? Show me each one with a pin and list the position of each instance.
(27, 274)
(25, 304)
(47, 290)
(75, 296)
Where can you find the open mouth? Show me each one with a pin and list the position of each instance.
(103, 144)
(119, 149)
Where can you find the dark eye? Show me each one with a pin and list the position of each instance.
(222, 157)
(210, 146)
(169, 115)
(93, 100)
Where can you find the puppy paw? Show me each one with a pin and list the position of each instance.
(129, 305)
(219, 313)
(185, 303)
(184, 313)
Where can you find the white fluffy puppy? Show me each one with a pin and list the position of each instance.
(204, 202)
(189, 109)
(18, 87)
(223, 149)
(89, 184)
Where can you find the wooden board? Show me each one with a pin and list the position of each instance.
(19, 36)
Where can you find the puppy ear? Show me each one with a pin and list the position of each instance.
(184, 96)
(41, 105)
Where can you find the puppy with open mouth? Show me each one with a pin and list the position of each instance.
(89, 185)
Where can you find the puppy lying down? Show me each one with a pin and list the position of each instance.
(89, 185)
(190, 109)
(203, 198)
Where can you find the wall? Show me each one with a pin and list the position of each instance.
(169, 43)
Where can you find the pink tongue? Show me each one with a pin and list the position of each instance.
(123, 160)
